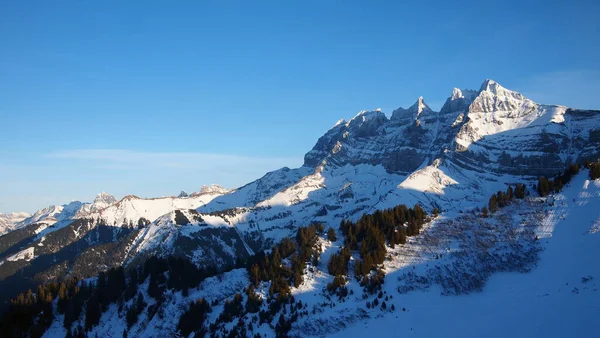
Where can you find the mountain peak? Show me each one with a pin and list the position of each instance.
(105, 198)
(420, 107)
(338, 123)
(213, 189)
(493, 97)
(413, 112)
(457, 93)
(459, 100)
(367, 114)
(492, 86)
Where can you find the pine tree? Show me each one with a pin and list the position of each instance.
(543, 186)
(331, 235)
(255, 275)
(520, 191)
(493, 203)
(594, 170)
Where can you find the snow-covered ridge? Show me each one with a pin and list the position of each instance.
(10, 222)
(213, 189)
(203, 239)
(54, 213)
(130, 209)
(419, 109)
(101, 201)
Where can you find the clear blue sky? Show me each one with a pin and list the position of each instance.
(151, 98)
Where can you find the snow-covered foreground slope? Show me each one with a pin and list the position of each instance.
(560, 297)
(528, 270)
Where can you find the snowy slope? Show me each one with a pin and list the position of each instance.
(204, 239)
(469, 275)
(560, 297)
(331, 193)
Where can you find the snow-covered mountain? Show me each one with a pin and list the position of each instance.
(204, 239)
(10, 222)
(102, 201)
(67, 212)
(417, 155)
(476, 144)
(54, 213)
(480, 142)
(130, 210)
(494, 128)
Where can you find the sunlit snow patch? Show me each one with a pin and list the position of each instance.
(428, 179)
(26, 254)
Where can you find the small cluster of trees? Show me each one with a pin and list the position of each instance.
(371, 232)
(193, 319)
(369, 236)
(132, 312)
(338, 263)
(29, 314)
(270, 267)
(245, 317)
(338, 267)
(389, 223)
(547, 186)
(283, 267)
(502, 199)
(594, 168)
(232, 308)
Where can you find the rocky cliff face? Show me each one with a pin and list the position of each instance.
(494, 129)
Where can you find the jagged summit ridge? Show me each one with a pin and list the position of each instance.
(495, 127)
(493, 97)
(418, 109)
(104, 198)
(459, 101)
